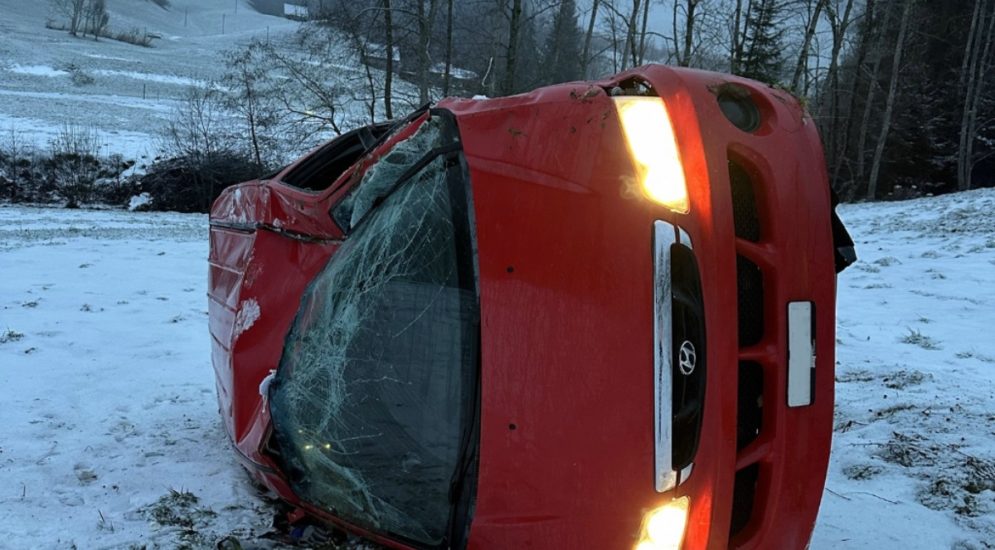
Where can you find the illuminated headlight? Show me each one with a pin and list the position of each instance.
(663, 528)
(650, 136)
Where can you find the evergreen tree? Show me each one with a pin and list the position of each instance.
(762, 49)
(562, 57)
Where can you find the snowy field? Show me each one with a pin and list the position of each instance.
(110, 435)
(133, 89)
(913, 462)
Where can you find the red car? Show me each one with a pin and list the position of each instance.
(597, 315)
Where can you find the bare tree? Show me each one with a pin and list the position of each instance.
(872, 83)
(512, 51)
(425, 21)
(74, 153)
(389, 54)
(640, 54)
(737, 46)
(629, 50)
(839, 23)
(13, 151)
(896, 67)
(447, 76)
(250, 97)
(684, 38)
(96, 18)
(802, 65)
(315, 101)
(72, 10)
(585, 56)
(199, 126)
(977, 63)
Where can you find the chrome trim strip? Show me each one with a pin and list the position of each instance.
(686, 473)
(801, 354)
(665, 478)
(684, 238)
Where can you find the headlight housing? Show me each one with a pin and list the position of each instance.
(649, 134)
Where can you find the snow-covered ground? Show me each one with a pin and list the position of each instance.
(109, 430)
(913, 463)
(133, 88)
(110, 436)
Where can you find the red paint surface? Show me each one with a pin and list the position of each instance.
(566, 290)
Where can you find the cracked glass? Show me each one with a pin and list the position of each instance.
(373, 400)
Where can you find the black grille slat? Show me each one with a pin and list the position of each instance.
(749, 416)
(743, 496)
(745, 216)
(750, 288)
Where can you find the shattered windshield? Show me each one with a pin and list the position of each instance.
(374, 396)
(390, 171)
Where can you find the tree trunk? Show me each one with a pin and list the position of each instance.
(585, 58)
(371, 107)
(423, 27)
(642, 32)
(633, 20)
(802, 64)
(839, 26)
(970, 48)
(735, 50)
(739, 48)
(980, 65)
(449, 48)
(630, 34)
(250, 116)
(869, 100)
(844, 136)
(389, 47)
(685, 60)
(896, 65)
(510, 59)
(969, 68)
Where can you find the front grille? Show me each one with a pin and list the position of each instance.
(748, 222)
(750, 289)
(688, 315)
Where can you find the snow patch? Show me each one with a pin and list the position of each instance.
(38, 70)
(139, 202)
(264, 385)
(111, 57)
(151, 77)
(247, 316)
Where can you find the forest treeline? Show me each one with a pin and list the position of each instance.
(901, 89)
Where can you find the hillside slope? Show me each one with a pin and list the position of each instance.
(133, 89)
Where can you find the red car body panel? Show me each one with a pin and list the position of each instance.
(566, 287)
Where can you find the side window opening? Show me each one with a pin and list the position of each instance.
(376, 390)
(323, 167)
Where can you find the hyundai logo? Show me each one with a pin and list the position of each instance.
(687, 358)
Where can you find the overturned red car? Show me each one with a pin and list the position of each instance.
(597, 315)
